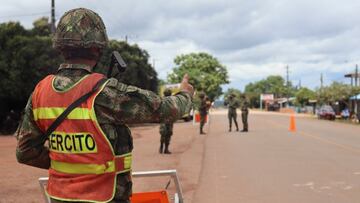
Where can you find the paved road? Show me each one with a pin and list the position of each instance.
(318, 163)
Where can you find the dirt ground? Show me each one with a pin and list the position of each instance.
(19, 183)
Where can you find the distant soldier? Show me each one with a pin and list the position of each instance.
(244, 113)
(166, 130)
(203, 107)
(232, 104)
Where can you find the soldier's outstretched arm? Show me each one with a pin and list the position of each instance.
(129, 104)
(28, 135)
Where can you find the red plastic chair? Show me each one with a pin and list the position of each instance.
(150, 197)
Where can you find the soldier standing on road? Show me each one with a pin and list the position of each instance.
(244, 113)
(232, 104)
(202, 111)
(89, 153)
(166, 131)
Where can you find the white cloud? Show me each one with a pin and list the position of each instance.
(252, 38)
(164, 53)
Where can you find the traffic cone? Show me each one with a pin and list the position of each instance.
(292, 127)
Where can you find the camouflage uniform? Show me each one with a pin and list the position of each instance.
(244, 115)
(232, 104)
(203, 112)
(115, 106)
(166, 131)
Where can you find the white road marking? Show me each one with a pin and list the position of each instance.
(325, 188)
(308, 184)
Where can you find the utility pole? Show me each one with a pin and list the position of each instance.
(356, 75)
(52, 28)
(356, 84)
(130, 37)
(321, 81)
(287, 86)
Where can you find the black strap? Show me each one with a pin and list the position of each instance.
(71, 107)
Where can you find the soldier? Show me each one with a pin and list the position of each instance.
(166, 130)
(89, 153)
(244, 113)
(202, 111)
(232, 104)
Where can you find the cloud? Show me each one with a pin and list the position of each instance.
(163, 53)
(253, 39)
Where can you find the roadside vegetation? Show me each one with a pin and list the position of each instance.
(26, 56)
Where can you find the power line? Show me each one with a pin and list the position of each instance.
(25, 15)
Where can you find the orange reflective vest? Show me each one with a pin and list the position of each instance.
(83, 163)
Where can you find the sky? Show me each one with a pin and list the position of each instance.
(252, 38)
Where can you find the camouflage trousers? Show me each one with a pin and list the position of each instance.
(244, 117)
(165, 138)
(233, 116)
(202, 122)
(166, 131)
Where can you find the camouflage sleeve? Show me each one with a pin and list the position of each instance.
(203, 105)
(27, 134)
(238, 104)
(129, 104)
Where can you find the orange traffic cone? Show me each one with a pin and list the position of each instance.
(292, 127)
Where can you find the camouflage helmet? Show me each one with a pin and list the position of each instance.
(167, 92)
(80, 28)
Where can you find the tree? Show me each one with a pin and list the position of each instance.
(273, 84)
(41, 27)
(26, 56)
(336, 92)
(138, 72)
(303, 95)
(206, 73)
(234, 91)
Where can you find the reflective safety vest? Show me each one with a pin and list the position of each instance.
(83, 162)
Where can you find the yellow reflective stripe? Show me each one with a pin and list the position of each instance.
(54, 112)
(83, 168)
(127, 162)
(77, 168)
